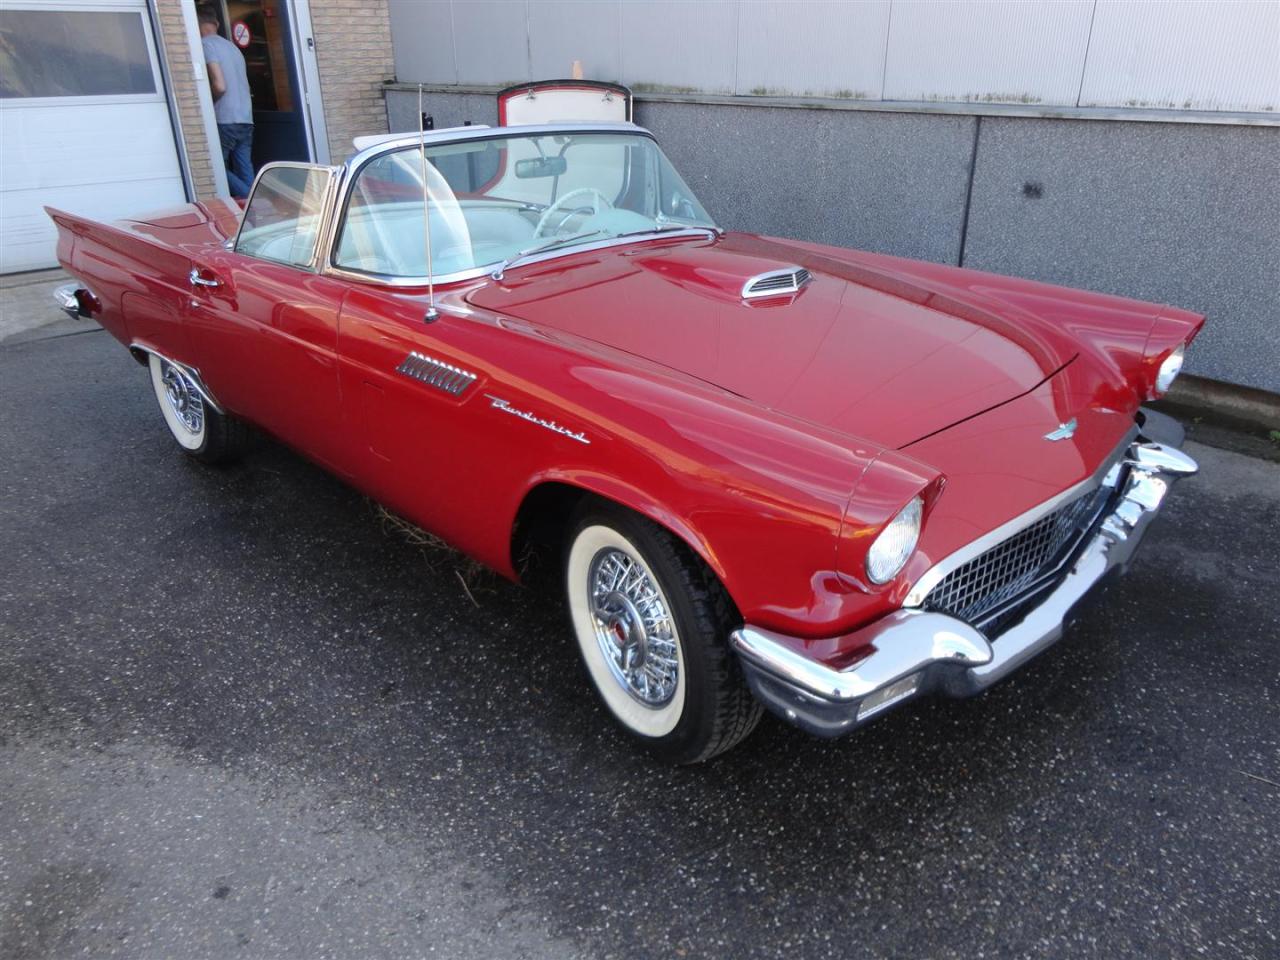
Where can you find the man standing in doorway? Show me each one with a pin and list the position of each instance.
(232, 107)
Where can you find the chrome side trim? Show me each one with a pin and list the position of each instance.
(775, 283)
(436, 373)
(191, 373)
(935, 574)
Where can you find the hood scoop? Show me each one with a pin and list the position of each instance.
(774, 283)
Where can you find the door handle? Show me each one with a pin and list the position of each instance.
(199, 281)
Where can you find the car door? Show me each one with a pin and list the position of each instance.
(413, 387)
(264, 320)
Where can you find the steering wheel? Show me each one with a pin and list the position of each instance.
(599, 199)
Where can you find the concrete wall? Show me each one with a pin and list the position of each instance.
(1187, 214)
(1173, 54)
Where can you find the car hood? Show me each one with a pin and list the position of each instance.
(861, 349)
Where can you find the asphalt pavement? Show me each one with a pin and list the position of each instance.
(242, 716)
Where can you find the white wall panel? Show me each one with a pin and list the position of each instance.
(1186, 55)
(491, 40)
(822, 48)
(680, 46)
(562, 31)
(132, 168)
(997, 51)
(422, 40)
(1175, 54)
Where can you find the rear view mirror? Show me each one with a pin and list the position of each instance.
(541, 167)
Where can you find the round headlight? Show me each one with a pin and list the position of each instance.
(891, 549)
(1169, 370)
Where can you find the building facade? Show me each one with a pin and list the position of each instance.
(105, 106)
(1127, 146)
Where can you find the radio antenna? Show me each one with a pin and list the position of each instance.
(432, 313)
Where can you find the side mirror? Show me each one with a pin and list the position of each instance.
(534, 167)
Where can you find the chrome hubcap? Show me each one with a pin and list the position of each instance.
(633, 628)
(183, 398)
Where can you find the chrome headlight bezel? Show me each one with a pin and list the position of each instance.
(1170, 367)
(895, 544)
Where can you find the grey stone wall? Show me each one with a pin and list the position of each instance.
(1179, 213)
(1187, 214)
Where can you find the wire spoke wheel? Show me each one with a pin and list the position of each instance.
(183, 397)
(633, 627)
(651, 623)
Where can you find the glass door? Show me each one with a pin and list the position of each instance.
(262, 31)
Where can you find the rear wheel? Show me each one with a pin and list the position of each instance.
(201, 431)
(652, 625)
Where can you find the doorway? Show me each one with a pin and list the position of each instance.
(268, 36)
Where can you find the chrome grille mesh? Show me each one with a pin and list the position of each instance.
(436, 373)
(993, 579)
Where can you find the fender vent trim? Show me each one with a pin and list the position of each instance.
(774, 283)
(436, 373)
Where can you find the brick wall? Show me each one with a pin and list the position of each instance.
(177, 53)
(353, 49)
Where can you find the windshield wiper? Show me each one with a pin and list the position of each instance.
(516, 257)
(669, 228)
(539, 248)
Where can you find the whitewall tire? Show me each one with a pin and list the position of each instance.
(200, 430)
(626, 632)
(652, 625)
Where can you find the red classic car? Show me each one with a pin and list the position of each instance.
(769, 474)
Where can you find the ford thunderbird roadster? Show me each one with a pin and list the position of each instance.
(767, 474)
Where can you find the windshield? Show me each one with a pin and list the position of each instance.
(492, 200)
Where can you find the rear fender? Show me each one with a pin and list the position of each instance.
(140, 282)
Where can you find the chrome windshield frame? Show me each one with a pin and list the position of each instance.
(352, 168)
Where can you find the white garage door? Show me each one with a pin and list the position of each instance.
(84, 125)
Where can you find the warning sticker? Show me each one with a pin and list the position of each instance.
(240, 34)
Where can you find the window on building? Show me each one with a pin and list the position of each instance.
(73, 53)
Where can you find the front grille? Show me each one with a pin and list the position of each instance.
(986, 587)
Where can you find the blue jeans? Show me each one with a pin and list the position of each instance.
(237, 142)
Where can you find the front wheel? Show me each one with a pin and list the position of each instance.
(652, 624)
(201, 431)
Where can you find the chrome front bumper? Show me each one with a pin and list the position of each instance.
(918, 651)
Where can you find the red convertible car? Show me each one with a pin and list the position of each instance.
(768, 474)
